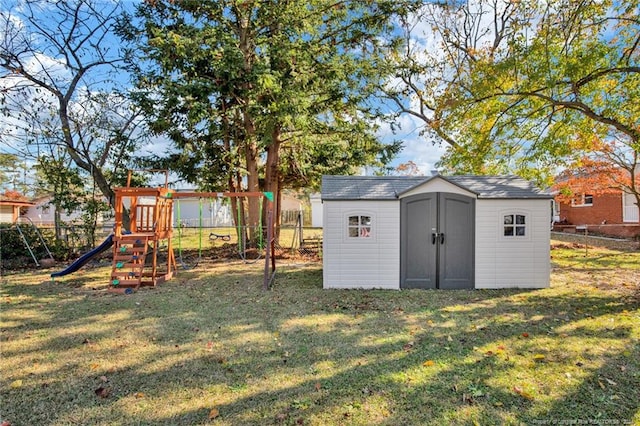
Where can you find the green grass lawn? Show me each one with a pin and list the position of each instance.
(210, 347)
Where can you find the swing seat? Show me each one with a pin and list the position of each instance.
(213, 236)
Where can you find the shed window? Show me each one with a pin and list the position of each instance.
(359, 226)
(515, 225)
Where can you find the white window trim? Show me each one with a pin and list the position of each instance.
(582, 203)
(359, 239)
(625, 218)
(555, 211)
(528, 228)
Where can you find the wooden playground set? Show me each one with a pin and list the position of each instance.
(136, 250)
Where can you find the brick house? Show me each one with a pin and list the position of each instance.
(610, 214)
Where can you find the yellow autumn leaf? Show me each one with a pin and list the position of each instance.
(522, 392)
(538, 357)
(526, 395)
(16, 384)
(428, 363)
(139, 395)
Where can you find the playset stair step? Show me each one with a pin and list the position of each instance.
(126, 275)
(126, 283)
(129, 256)
(128, 260)
(127, 264)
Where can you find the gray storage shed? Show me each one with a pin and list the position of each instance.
(446, 232)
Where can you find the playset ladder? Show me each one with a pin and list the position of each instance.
(129, 254)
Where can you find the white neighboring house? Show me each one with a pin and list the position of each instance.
(316, 210)
(42, 213)
(436, 232)
(215, 212)
(290, 203)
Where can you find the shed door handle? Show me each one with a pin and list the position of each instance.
(442, 238)
(434, 236)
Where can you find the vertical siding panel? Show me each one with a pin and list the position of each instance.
(512, 263)
(366, 263)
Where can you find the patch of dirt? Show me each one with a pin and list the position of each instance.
(566, 246)
(578, 241)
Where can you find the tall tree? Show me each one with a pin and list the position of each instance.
(590, 176)
(259, 91)
(61, 75)
(522, 86)
(443, 44)
(12, 173)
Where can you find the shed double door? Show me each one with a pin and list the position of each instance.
(437, 241)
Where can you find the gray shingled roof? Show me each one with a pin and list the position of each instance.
(391, 187)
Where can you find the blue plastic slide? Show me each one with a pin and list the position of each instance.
(79, 262)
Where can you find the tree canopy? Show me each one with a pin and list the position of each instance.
(60, 80)
(525, 86)
(262, 95)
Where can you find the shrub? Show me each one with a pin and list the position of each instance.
(12, 245)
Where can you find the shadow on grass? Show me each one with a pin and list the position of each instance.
(598, 261)
(299, 354)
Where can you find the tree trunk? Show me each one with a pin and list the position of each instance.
(57, 222)
(249, 140)
(86, 164)
(272, 176)
(277, 213)
(253, 181)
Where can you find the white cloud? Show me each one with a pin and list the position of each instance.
(423, 153)
(158, 145)
(48, 69)
(417, 148)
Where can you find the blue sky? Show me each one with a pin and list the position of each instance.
(416, 148)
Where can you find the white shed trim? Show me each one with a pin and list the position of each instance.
(438, 185)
